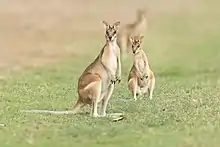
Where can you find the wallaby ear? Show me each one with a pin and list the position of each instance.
(141, 38)
(105, 23)
(131, 39)
(116, 24)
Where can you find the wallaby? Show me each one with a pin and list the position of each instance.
(129, 30)
(97, 82)
(141, 79)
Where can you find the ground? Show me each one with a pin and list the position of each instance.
(45, 46)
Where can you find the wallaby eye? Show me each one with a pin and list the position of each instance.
(138, 46)
(107, 33)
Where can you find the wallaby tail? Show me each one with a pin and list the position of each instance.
(75, 110)
(47, 111)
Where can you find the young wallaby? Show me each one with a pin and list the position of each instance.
(96, 84)
(141, 79)
(129, 30)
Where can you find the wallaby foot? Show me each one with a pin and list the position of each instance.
(106, 99)
(94, 112)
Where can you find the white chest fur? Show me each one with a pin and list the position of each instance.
(140, 63)
(112, 64)
(110, 56)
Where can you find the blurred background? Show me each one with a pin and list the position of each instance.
(35, 32)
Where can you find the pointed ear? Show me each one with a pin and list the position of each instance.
(141, 38)
(105, 23)
(131, 39)
(116, 24)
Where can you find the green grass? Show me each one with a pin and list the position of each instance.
(184, 111)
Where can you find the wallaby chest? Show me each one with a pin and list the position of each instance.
(140, 63)
(110, 58)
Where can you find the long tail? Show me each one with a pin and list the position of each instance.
(48, 111)
(75, 110)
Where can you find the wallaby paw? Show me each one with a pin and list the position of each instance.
(118, 79)
(113, 81)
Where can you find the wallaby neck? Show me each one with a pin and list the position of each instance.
(111, 44)
(139, 54)
(141, 21)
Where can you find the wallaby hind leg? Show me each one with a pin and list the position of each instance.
(95, 96)
(151, 86)
(78, 105)
(106, 99)
(133, 87)
(94, 112)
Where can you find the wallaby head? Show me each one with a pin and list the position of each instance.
(141, 13)
(111, 31)
(136, 42)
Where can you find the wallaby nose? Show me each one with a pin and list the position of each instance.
(110, 38)
(133, 52)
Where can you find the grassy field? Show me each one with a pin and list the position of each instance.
(183, 51)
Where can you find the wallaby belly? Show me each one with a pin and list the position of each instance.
(141, 66)
(105, 78)
(112, 63)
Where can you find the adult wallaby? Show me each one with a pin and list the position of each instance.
(141, 78)
(97, 82)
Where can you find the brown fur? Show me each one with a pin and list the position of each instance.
(129, 30)
(141, 78)
(96, 84)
